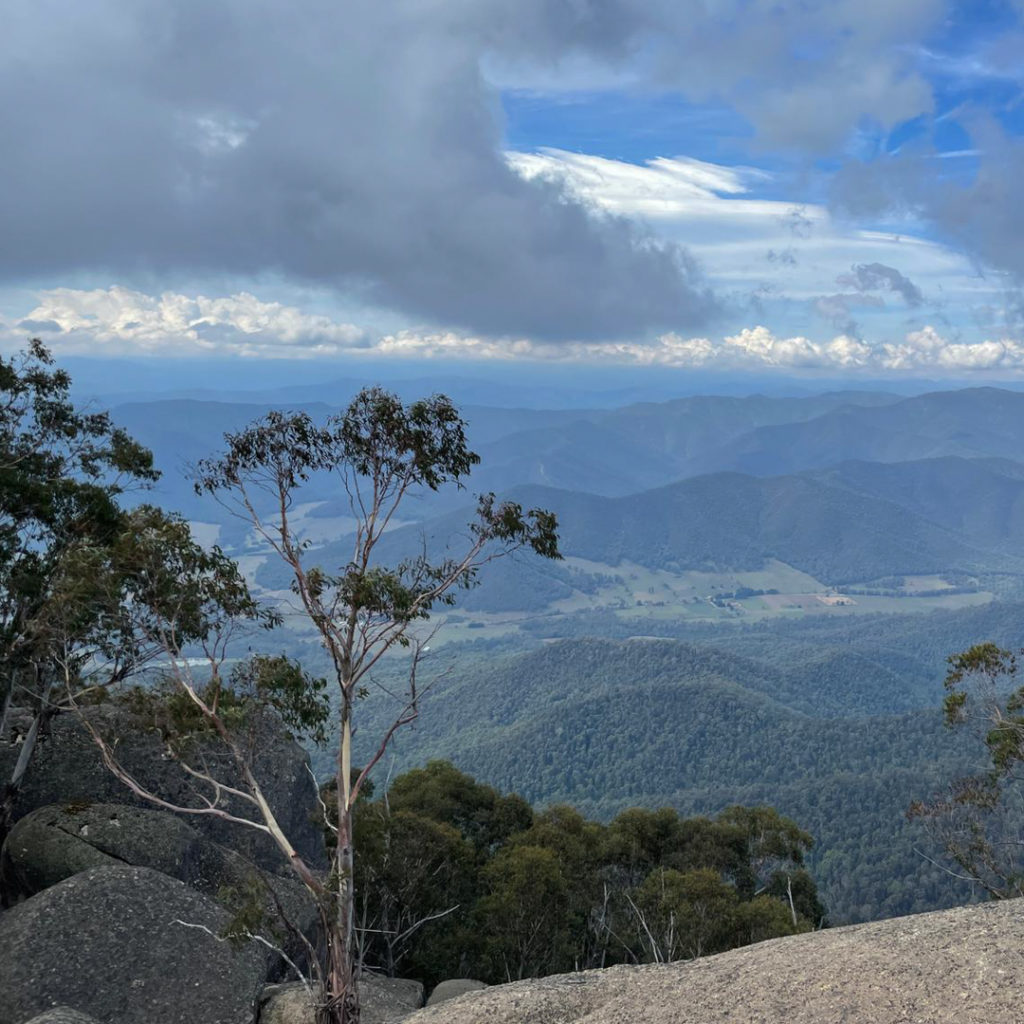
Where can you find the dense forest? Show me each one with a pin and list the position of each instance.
(455, 878)
(826, 734)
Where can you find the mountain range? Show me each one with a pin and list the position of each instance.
(855, 522)
(667, 514)
(640, 447)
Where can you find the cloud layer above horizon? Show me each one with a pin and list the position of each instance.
(118, 321)
(359, 152)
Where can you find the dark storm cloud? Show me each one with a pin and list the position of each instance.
(354, 144)
(870, 277)
(358, 144)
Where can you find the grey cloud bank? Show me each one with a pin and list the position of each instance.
(118, 322)
(359, 145)
(353, 144)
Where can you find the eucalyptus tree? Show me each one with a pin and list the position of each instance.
(379, 452)
(979, 821)
(63, 472)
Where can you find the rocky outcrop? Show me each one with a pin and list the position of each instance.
(127, 945)
(56, 842)
(958, 966)
(452, 989)
(382, 1001)
(67, 769)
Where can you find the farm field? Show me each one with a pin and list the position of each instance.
(637, 594)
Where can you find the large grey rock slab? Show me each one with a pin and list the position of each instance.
(453, 988)
(67, 768)
(960, 966)
(58, 841)
(382, 1001)
(109, 943)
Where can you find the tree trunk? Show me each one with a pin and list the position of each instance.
(789, 892)
(341, 1005)
(28, 746)
(343, 994)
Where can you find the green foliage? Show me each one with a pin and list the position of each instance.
(183, 718)
(524, 914)
(278, 682)
(687, 879)
(798, 888)
(246, 903)
(768, 839)
(766, 917)
(683, 915)
(62, 472)
(424, 443)
(412, 876)
(454, 878)
(582, 851)
(479, 813)
(90, 590)
(505, 521)
(183, 591)
(979, 821)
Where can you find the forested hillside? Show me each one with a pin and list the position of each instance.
(981, 499)
(859, 655)
(760, 539)
(604, 725)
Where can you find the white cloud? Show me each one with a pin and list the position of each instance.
(663, 190)
(659, 184)
(848, 353)
(780, 251)
(760, 345)
(752, 349)
(437, 344)
(121, 320)
(928, 349)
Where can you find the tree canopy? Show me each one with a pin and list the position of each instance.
(979, 821)
(550, 891)
(378, 452)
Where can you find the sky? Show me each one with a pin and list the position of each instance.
(781, 186)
